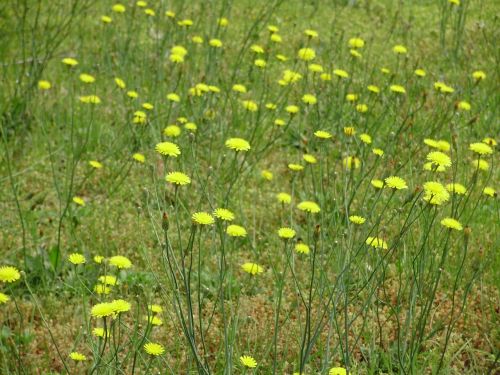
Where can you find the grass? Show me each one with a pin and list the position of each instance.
(419, 298)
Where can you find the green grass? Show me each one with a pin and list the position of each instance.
(428, 303)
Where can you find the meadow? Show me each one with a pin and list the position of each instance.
(249, 187)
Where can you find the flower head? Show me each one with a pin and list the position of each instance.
(120, 261)
(435, 193)
(168, 149)
(451, 223)
(252, 268)
(4, 298)
(248, 361)
(456, 188)
(302, 248)
(376, 242)
(286, 233)
(178, 178)
(357, 219)
(236, 231)
(306, 54)
(439, 158)
(154, 349)
(223, 214)
(322, 134)
(395, 182)
(238, 144)
(102, 310)
(203, 218)
(337, 371)
(284, 197)
(9, 274)
(481, 148)
(77, 356)
(309, 206)
(76, 258)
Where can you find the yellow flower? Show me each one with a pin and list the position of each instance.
(443, 87)
(289, 76)
(139, 157)
(248, 361)
(120, 305)
(398, 89)
(197, 39)
(178, 178)
(284, 198)
(385, 70)
(236, 231)
(272, 29)
(98, 259)
(203, 218)
(223, 214)
(456, 188)
(395, 182)
(464, 106)
(257, 49)
(172, 131)
(295, 167)
(279, 122)
(306, 54)
(292, 109)
(185, 23)
(87, 78)
(118, 8)
(252, 268)
(378, 151)
(454, 2)
(451, 223)
(106, 19)
(271, 106)
(337, 371)
(170, 14)
(356, 43)
(154, 349)
(107, 279)
(281, 57)
(439, 158)
(90, 99)
(309, 158)
(239, 88)
(355, 53)
(69, 61)
(132, 94)
(99, 332)
(102, 289)
(351, 97)
(481, 164)
(44, 85)
(155, 308)
(481, 148)
(349, 131)
(325, 77)
(490, 141)
(237, 144)
(168, 149)
(309, 206)
(120, 261)
(102, 310)
(76, 258)
(309, 99)
(260, 63)
(351, 162)
(95, 164)
(223, 22)
(376, 242)
(250, 105)
(311, 33)
(374, 89)
(400, 50)
(379, 184)
(341, 73)
(120, 83)
(4, 298)
(79, 201)
(267, 175)
(322, 134)
(435, 193)
(286, 233)
(76, 356)
(420, 73)
(365, 138)
(479, 75)
(362, 108)
(488, 190)
(9, 274)
(173, 97)
(357, 219)
(302, 248)
(217, 43)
